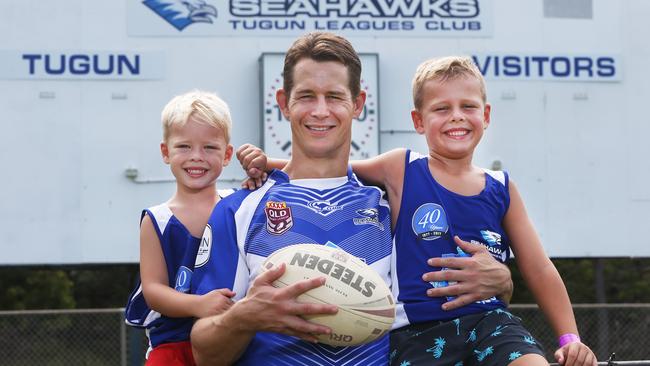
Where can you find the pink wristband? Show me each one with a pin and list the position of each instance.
(568, 338)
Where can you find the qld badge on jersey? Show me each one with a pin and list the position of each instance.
(278, 217)
(429, 222)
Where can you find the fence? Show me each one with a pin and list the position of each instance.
(100, 337)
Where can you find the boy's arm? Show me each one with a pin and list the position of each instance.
(386, 170)
(256, 165)
(155, 284)
(543, 279)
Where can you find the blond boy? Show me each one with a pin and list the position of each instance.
(196, 146)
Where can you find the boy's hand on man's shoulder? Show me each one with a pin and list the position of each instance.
(253, 161)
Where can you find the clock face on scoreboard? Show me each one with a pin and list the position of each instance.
(277, 131)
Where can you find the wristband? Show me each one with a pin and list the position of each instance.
(568, 338)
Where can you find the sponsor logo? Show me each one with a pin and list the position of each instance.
(278, 217)
(205, 247)
(323, 207)
(496, 250)
(181, 13)
(370, 216)
(335, 270)
(183, 278)
(429, 222)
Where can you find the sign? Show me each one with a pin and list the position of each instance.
(427, 18)
(38, 65)
(549, 67)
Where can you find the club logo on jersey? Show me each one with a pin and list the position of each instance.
(323, 207)
(369, 216)
(491, 237)
(203, 255)
(278, 217)
(181, 13)
(183, 278)
(429, 222)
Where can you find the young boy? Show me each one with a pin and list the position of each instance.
(196, 136)
(437, 199)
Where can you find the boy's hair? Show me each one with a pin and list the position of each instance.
(323, 46)
(204, 106)
(444, 69)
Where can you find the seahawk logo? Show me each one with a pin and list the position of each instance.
(491, 237)
(181, 13)
(370, 216)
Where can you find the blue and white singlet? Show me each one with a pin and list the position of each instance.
(248, 226)
(430, 216)
(179, 249)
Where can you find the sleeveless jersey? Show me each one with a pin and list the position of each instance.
(429, 218)
(248, 226)
(179, 249)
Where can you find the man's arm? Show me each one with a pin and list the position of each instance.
(478, 277)
(222, 339)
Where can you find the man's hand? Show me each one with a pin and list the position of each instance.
(253, 161)
(269, 309)
(478, 277)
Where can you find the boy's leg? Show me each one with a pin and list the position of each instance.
(529, 359)
(430, 343)
(171, 354)
(501, 339)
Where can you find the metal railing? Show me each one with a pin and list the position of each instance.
(100, 336)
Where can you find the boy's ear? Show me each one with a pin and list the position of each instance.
(486, 115)
(416, 116)
(229, 152)
(283, 99)
(164, 151)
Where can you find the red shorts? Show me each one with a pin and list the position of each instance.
(175, 354)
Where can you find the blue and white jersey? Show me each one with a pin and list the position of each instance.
(248, 226)
(429, 218)
(179, 249)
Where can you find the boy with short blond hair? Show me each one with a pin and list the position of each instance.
(196, 145)
(439, 199)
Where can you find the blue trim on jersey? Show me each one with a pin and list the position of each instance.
(430, 216)
(248, 226)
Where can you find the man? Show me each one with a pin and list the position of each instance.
(320, 97)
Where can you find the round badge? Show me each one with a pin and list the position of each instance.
(429, 222)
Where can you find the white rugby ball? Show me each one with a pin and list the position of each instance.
(366, 305)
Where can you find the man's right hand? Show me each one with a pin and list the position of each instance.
(477, 277)
(269, 309)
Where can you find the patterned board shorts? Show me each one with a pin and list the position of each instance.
(494, 337)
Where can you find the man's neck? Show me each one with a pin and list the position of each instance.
(303, 168)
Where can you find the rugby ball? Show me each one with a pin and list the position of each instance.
(366, 305)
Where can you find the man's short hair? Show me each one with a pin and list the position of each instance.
(323, 46)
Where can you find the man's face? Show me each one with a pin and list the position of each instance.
(320, 109)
